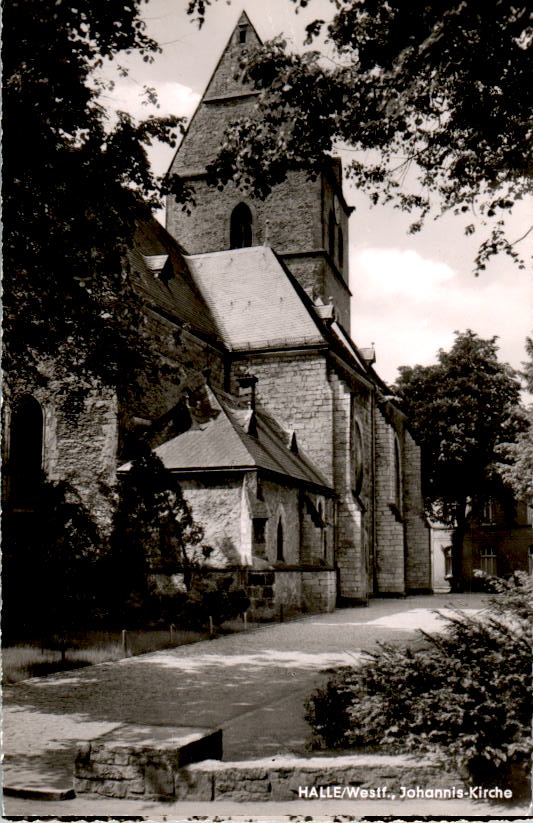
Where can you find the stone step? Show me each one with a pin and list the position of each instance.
(141, 761)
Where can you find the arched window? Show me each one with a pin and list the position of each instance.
(357, 457)
(241, 234)
(340, 248)
(25, 450)
(279, 542)
(331, 234)
(397, 476)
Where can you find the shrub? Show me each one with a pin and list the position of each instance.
(465, 694)
(212, 596)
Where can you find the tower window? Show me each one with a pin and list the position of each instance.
(241, 227)
(242, 35)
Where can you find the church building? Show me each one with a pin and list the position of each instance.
(294, 457)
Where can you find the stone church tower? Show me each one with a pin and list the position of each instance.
(323, 388)
(305, 221)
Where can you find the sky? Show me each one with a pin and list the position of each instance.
(410, 292)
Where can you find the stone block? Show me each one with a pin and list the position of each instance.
(242, 784)
(133, 760)
(158, 780)
(193, 784)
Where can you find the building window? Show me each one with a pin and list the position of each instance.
(340, 248)
(279, 542)
(357, 457)
(488, 561)
(241, 227)
(25, 451)
(331, 234)
(242, 35)
(487, 513)
(259, 530)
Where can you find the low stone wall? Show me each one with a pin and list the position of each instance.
(142, 761)
(272, 592)
(281, 778)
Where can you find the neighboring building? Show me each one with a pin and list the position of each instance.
(498, 541)
(441, 558)
(294, 458)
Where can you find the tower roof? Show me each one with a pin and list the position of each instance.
(225, 91)
(226, 80)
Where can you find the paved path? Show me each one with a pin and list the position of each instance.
(252, 684)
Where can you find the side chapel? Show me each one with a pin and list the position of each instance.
(293, 455)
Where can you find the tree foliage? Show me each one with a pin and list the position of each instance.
(52, 559)
(74, 183)
(460, 410)
(152, 528)
(517, 457)
(439, 90)
(464, 695)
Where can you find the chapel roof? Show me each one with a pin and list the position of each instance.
(233, 437)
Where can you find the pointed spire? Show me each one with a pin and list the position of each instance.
(226, 80)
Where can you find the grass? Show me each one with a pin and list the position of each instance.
(29, 659)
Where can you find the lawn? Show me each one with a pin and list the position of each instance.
(31, 659)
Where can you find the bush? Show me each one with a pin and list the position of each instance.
(211, 595)
(466, 694)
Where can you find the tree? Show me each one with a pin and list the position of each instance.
(152, 528)
(73, 187)
(517, 457)
(460, 410)
(52, 560)
(442, 90)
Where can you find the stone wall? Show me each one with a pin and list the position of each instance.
(354, 521)
(389, 550)
(79, 445)
(276, 593)
(417, 533)
(283, 505)
(216, 505)
(274, 779)
(317, 277)
(317, 543)
(319, 590)
(294, 388)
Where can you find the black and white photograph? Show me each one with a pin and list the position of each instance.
(267, 410)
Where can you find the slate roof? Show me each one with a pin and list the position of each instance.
(252, 299)
(163, 281)
(224, 442)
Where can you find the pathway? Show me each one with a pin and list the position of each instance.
(252, 684)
